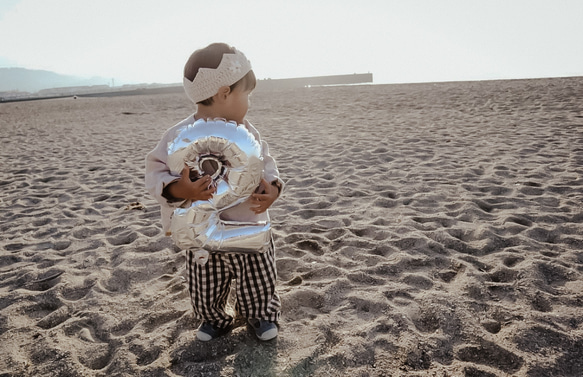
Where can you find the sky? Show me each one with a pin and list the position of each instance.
(398, 41)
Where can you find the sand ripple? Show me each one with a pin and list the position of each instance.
(431, 229)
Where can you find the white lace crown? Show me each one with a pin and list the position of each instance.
(208, 81)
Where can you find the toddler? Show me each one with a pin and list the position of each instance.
(219, 80)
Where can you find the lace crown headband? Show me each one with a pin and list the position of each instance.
(208, 81)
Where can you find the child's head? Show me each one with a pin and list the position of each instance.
(215, 66)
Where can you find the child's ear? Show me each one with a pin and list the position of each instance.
(223, 93)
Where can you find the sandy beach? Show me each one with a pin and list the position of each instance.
(426, 230)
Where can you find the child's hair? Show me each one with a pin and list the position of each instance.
(210, 57)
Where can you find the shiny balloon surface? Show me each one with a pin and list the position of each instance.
(232, 156)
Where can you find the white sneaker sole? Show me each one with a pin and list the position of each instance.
(203, 336)
(269, 334)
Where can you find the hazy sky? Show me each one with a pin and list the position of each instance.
(398, 41)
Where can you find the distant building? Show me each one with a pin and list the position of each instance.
(301, 82)
(72, 90)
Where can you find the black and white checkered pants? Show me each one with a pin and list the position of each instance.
(254, 275)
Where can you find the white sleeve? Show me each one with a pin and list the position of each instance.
(270, 171)
(158, 174)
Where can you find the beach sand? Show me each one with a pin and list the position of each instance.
(426, 230)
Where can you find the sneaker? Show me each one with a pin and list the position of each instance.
(207, 332)
(264, 330)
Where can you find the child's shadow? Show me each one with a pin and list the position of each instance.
(257, 359)
(240, 351)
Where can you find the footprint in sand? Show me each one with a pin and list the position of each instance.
(492, 355)
(54, 318)
(145, 353)
(96, 354)
(124, 238)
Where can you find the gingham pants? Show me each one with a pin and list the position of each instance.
(210, 285)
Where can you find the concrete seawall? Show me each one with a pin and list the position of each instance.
(300, 82)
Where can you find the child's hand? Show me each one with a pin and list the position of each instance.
(264, 197)
(184, 188)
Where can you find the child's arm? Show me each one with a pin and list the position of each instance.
(264, 196)
(158, 174)
(185, 189)
(270, 171)
(169, 189)
(271, 185)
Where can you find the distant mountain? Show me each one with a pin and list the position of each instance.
(28, 80)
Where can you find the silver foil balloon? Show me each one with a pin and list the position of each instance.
(232, 157)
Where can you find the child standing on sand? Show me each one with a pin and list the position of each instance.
(219, 80)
